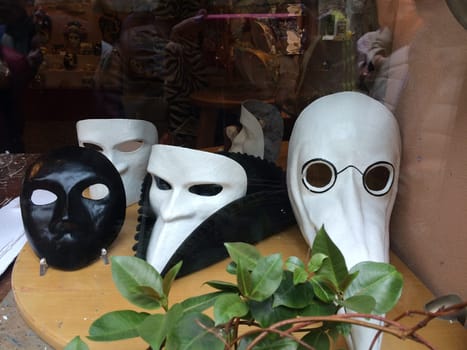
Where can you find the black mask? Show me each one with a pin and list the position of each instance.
(69, 229)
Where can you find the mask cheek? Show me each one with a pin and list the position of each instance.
(39, 219)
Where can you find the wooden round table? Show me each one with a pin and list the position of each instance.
(63, 304)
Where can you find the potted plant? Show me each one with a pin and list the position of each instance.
(273, 304)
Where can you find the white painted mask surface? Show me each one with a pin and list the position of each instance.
(127, 143)
(250, 139)
(261, 132)
(188, 186)
(342, 172)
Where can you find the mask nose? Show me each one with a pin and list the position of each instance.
(176, 207)
(358, 230)
(62, 222)
(118, 163)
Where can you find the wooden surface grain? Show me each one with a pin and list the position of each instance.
(61, 305)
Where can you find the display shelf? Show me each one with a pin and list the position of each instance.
(63, 304)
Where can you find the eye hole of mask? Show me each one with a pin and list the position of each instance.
(207, 190)
(96, 192)
(130, 146)
(318, 175)
(93, 146)
(162, 184)
(378, 178)
(43, 197)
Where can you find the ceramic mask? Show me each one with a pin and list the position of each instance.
(188, 186)
(261, 130)
(126, 142)
(62, 223)
(342, 172)
(263, 211)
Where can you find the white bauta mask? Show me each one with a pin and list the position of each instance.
(261, 130)
(342, 172)
(189, 185)
(127, 143)
(192, 202)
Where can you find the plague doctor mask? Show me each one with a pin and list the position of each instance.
(342, 172)
(192, 202)
(261, 130)
(63, 224)
(126, 142)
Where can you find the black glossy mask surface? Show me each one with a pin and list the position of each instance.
(71, 230)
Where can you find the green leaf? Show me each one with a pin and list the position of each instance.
(323, 289)
(346, 282)
(319, 308)
(138, 282)
(200, 303)
(231, 268)
(333, 268)
(194, 332)
(116, 325)
(76, 344)
(265, 314)
(223, 286)
(243, 279)
(300, 276)
(318, 339)
(360, 303)
(266, 277)
(270, 342)
(245, 252)
(316, 262)
(155, 328)
(379, 280)
(292, 263)
(228, 306)
(291, 295)
(170, 277)
(296, 266)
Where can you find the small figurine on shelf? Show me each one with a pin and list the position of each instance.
(70, 61)
(74, 35)
(43, 25)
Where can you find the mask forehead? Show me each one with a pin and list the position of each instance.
(110, 132)
(182, 166)
(348, 128)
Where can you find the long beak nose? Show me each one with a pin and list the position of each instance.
(358, 226)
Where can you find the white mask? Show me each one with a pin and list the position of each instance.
(337, 146)
(188, 186)
(249, 139)
(127, 143)
(261, 132)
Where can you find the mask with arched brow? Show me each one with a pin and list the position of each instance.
(195, 201)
